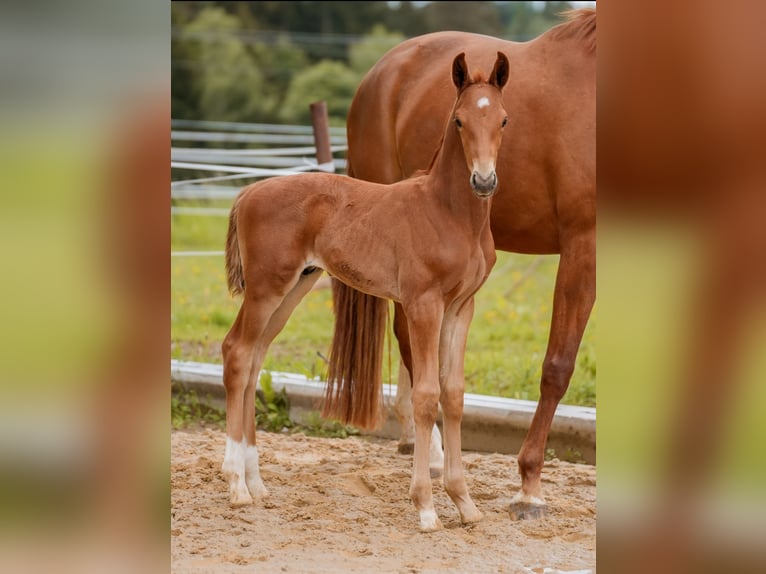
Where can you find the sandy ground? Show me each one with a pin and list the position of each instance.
(341, 505)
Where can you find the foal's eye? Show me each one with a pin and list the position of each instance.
(458, 123)
(505, 121)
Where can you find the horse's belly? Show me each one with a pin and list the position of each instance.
(368, 277)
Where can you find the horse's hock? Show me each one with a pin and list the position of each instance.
(490, 424)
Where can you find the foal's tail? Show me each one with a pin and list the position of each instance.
(354, 380)
(234, 275)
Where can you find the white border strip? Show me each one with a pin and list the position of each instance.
(494, 424)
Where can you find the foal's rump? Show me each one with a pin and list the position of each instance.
(274, 225)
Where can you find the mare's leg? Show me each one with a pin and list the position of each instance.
(573, 300)
(403, 402)
(264, 310)
(451, 357)
(425, 319)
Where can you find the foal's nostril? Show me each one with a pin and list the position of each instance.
(484, 184)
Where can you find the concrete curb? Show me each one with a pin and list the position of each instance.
(490, 424)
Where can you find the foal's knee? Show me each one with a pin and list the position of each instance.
(452, 402)
(425, 405)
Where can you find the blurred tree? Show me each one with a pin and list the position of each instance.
(278, 63)
(480, 17)
(255, 61)
(336, 22)
(331, 81)
(321, 17)
(183, 89)
(552, 10)
(228, 82)
(405, 17)
(364, 54)
(525, 22)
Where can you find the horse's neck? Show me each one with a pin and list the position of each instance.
(449, 181)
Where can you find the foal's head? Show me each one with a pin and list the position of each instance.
(480, 117)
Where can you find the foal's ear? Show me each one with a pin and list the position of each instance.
(500, 72)
(460, 71)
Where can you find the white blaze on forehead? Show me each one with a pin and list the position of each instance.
(483, 102)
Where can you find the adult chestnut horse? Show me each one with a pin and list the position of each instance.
(424, 242)
(545, 204)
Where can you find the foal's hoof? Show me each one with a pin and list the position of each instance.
(527, 510)
(237, 500)
(406, 448)
(469, 514)
(435, 471)
(471, 517)
(257, 489)
(429, 522)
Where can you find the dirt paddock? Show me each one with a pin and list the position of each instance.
(342, 505)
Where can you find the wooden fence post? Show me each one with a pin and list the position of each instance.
(322, 136)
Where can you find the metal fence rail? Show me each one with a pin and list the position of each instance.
(291, 149)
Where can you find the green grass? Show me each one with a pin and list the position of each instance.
(506, 345)
(272, 414)
(186, 410)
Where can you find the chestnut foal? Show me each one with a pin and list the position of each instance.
(424, 243)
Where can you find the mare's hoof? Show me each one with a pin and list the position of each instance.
(527, 511)
(406, 448)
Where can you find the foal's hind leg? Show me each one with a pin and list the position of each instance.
(262, 316)
(451, 356)
(273, 328)
(238, 349)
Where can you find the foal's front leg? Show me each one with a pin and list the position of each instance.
(425, 318)
(451, 356)
(403, 403)
(403, 410)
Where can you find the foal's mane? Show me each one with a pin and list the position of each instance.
(580, 24)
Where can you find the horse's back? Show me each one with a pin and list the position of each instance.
(546, 166)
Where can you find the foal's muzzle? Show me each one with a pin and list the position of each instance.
(484, 186)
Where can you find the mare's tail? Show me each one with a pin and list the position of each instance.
(234, 275)
(354, 380)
